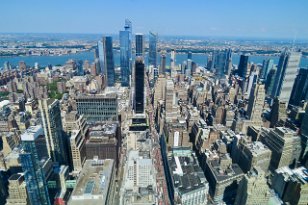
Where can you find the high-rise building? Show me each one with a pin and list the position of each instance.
(108, 60)
(103, 141)
(189, 55)
(286, 74)
(78, 149)
(253, 189)
(291, 185)
(300, 88)
(17, 190)
(7, 66)
(285, 145)
(267, 66)
(80, 71)
(128, 27)
(101, 56)
(125, 53)
(53, 129)
(139, 86)
(32, 160)
(99, 107)
(184, 171)
(153, 49)
(270, 79)
(256, 103)
(172, 63)
(242, 70)
(228, 63)
(162, 69)
(139, 44)
(252, 154)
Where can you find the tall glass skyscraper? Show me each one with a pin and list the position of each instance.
(108, 60)
(125, 53)
(243, 67)
(285, 75)
(139, 85)
(266, 67)
(100, 49)
(153, 49)
(139, 44)
(32, 162)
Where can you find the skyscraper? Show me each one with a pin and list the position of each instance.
(172, 59)
(286, 74)
(128, 27)
(162, 69)
(228, 64)
(253, 189)
(80, 71)
(256, 102)
(139, 44)
(243, 66)
(267, 66)
(300, 88)
(32, 164)
(52, 123)
(153, 49)
(108, 60)
(172, 64)
(125, 53)
(139, 86)
(100, 52)
(189, 55)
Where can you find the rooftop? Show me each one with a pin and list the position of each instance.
(300, 174)
(186, 173)
(223, 169)
(32, 133)
(93, 183)
(257, 148)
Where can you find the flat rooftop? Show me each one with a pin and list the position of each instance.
(32, 133)
(231, 172)
(187, 174)
(93, 183)
(257, 148)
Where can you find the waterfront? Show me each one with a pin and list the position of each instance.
(200, 59)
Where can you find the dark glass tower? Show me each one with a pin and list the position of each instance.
(139, 85)
(300, 88)
(139, 44)
(125, 53)
(243, 67)
(32, 164)
(80, 71)
(108, 60)
(153, 49)
(189, 55)
(266, 67)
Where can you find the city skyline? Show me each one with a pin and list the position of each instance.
(221, 19)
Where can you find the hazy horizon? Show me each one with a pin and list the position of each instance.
(238, 18)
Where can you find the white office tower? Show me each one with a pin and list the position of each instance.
(172, 64)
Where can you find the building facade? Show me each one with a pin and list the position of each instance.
(53, 129)
(152, 49)
(97, 108)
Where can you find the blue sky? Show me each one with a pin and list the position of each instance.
(234, 18)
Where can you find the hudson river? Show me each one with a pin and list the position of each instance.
(200, 59)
